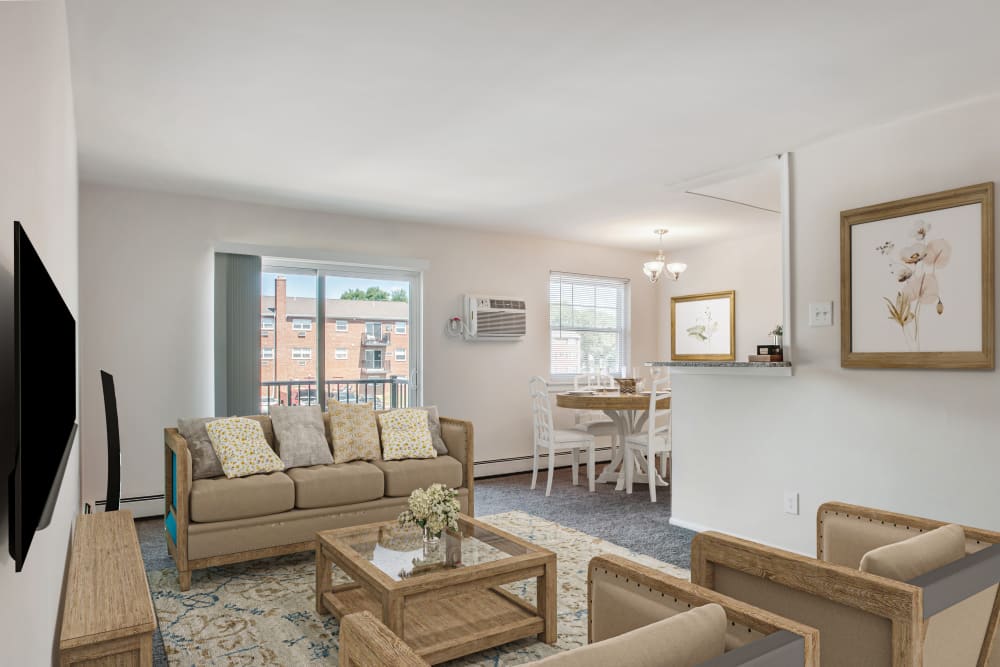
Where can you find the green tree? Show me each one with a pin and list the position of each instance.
(373, 293)
(399, 295)
(353, 295)
(376, 294)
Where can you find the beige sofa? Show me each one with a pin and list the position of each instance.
(622, 597)
(217, 521)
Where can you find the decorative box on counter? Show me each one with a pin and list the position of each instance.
(767, 353)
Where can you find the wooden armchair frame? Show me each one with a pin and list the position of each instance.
(908, 606)
(366, 642)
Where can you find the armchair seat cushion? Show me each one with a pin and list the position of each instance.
(223, 499)
(684, 640)
(404, 477)
(918, 555)
(336, 484)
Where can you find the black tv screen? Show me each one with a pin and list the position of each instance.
(44, 395)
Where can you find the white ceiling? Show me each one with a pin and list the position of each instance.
(567, 118)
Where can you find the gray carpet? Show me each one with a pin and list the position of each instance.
(629, 521)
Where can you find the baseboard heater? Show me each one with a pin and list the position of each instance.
(528, 457)
(87, 509)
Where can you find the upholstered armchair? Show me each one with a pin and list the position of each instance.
(945, 617)
(630, 609)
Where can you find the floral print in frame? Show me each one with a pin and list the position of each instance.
(917, 282)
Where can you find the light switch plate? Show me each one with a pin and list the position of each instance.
(791, 502)
(821, 314)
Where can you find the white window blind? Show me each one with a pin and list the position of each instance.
(588, 320)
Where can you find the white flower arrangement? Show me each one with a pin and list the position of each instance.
(435, 509)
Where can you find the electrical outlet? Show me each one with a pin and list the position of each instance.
(821, 314)
(791, 502)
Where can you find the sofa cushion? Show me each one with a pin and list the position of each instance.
(301, 435)
(353, 432)
(684, 640)
(434, 421)
(918, 555)
(336, 484)
(242, 448)
(204, 461)
(406, 434)
(404, 477)
(224, 499)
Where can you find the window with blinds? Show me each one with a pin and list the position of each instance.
(588, 320)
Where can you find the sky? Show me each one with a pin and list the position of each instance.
(302, 285)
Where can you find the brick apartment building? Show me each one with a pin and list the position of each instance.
(365, 340)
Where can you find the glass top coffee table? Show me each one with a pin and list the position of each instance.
(443, 599)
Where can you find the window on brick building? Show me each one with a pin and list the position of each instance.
(329, 329)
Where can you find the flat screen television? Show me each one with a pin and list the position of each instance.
(44, 395)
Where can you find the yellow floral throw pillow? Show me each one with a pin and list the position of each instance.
(406, 435)
(354, 431)
(241, 447)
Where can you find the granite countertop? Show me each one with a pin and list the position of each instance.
(722, 364)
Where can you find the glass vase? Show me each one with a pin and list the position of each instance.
(431, 538)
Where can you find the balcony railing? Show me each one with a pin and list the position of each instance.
(384, 393)
(380, 338)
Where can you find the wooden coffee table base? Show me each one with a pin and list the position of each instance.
(442, 630)
(449, 614)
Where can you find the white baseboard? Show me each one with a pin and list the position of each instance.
(523, 463)
(689, 525)
(701, 528)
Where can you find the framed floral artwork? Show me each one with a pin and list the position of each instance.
(703, 327)
(916, 282)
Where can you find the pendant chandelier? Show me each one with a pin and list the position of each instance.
(655, 267)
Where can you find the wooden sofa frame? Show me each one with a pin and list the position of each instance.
(366, 642)
(907, 605)
(177, 493)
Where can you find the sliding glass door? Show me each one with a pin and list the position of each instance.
(338, 332)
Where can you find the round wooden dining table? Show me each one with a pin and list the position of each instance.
(628, 412)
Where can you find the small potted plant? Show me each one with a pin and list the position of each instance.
(435, 509)
(776, 333)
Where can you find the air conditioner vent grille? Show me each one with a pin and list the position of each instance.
(507, 303)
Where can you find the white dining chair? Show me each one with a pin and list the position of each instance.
(556, 440)
(655, 441)
(593, 422)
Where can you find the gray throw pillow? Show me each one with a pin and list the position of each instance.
(204, 462)
(434, 421)
(300, 434)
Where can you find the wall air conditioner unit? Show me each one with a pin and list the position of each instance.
(494, 318)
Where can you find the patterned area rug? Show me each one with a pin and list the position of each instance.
(263, 612)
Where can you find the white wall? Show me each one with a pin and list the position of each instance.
(37, 187)
(750, 265)
(922, 442)
(146, 296)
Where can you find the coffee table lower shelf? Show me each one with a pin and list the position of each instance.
(443, 629)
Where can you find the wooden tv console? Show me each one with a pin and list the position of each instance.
(108, 618)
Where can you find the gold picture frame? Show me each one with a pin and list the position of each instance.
(898, 318)
(697, 313)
